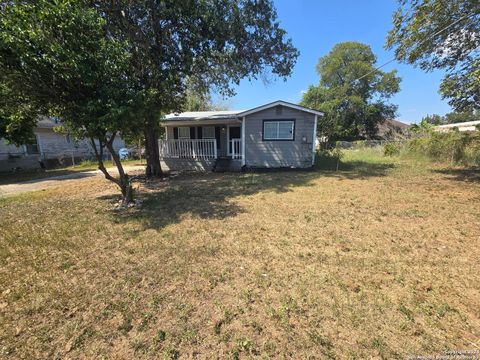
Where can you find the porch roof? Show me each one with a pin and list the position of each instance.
(224, 116)
(203, 115)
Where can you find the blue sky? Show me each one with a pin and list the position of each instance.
(315, 26)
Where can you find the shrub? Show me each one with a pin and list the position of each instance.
(329, 159)
(391, 149)
(454, 146)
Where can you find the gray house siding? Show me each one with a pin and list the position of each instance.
(51, 146)
(279, 153)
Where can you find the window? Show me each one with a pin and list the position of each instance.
(208, 132)
(32, 146)
(278, 129)
(184, 132)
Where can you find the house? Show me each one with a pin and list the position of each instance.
(275, 135)
(47, 147)
(463, 126)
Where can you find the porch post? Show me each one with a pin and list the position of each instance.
(314, 144)
(215, 148)
(243, 141)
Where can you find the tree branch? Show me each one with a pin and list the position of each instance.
(101, 166)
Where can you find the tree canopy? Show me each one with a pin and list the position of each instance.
(352, 93)
(213, 44)
(442, 34)
(453, 117)
(116, 67)
(58, 57)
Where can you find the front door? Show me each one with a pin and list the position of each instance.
(234, 132)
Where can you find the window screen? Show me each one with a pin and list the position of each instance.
(184, 132)
(208, 132)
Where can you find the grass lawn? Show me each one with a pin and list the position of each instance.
(12, 178)
(377, 260)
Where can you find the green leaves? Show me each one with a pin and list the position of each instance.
(352, 92)
(441, 34)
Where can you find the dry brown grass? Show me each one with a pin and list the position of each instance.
(377, 261)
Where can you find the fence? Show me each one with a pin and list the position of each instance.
(359, 144)
(14, 161)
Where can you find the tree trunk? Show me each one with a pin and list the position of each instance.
(124, 179)
(123, 182)
(151, 152)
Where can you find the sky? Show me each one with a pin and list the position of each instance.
(315, 26)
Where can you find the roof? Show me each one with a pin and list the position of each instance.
(283, 103)
(461, 124)
(203, 115)
(391, 128)
(230, 114)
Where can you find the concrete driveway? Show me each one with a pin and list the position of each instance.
(55, 181)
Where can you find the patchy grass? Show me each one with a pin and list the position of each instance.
(377, 260)
(37, 174)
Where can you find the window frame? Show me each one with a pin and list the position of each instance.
(278, 121)
(203, 132)
(184, 137)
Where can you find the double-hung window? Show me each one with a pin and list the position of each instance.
(278, 129)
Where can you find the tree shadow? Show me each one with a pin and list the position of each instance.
(212, 195)
(465, 175)
(40, 177)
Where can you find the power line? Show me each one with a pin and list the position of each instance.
(424, 40)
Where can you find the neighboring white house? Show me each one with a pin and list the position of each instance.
(275, 135)
(463, 126)
(49, 147)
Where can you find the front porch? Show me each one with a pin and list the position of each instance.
(206, 147)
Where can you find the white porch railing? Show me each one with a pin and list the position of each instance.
(236, 148)
(188, 148)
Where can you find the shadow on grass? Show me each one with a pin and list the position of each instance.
(211, 195)
(467, 175)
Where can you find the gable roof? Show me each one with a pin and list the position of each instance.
(282, 103)
(234, 114)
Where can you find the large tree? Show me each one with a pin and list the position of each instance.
(213, 43)
(352, 93)
(56, 60)
(442, 34)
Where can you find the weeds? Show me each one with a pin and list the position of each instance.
(376, 260)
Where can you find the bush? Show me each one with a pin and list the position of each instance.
(454, 147)
(391, 149)
(329, 159)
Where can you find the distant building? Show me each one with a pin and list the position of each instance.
(463, 126)
(48, 147)
(392, 130)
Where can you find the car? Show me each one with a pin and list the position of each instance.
(123, 153)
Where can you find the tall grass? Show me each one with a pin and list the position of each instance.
(453, 147)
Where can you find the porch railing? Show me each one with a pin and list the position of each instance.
(188, 148)
(236, 148)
